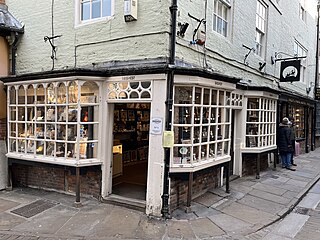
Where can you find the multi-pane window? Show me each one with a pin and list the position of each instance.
(261, 18)
(302, 12)
(220, 16)
(94, 9)
(261, 123)
(201, 125)
(57, 121)
(300, 51)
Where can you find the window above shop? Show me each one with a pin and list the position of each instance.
(93, 10)
(261, 23)
(56, 122)
(201, 126)
(221, 16)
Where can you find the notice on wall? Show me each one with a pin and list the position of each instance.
(168, 139)
(156, 126)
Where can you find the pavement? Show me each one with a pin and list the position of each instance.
(252, 206)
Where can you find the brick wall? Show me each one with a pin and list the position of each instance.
(3, 128)
(57, 178)
(202, 181)
(249, 163)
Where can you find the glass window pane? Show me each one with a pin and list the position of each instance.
(50, 149)
(30, 95)
(40, 94)
(182, 115)
(21, 95)
(85, 10)
(21, 114)
(51, 114)
(39, 147)
(183, 95)
(198, 92)
(72, 132)
(73, 92)
(106, 8)
(50, 131)
(89, 93)
(12, 93)
(51, 95)
(61, 92)
(96, 9)
(61, 131)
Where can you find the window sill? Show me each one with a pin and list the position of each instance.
(56, 161)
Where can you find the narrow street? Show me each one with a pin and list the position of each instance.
(303, 223)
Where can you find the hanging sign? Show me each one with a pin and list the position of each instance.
(290, 71)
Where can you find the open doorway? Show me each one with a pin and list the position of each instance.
(130, 149)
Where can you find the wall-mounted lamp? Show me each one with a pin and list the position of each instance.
(183, 29)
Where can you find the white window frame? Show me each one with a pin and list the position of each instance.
(261, 25)
(202, 127)
(78, 13)
(300, 51)
(221, 16)
(302, 12)
(32, 124)
(261, 116)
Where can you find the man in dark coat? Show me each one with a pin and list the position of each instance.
(285, 143)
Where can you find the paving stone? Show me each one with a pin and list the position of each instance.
(229, 224)
(204, 228)
(207, 199)
(270, 197)
(290, 225)
(269, 188)
(9, 221)
(310, 201)
(248, 214)
(180, 230)
(261, 204)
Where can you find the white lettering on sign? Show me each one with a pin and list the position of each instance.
(128, 78)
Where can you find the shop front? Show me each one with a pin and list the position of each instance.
(301, 110)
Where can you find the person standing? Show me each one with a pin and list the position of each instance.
(285, 144)
(293, 138)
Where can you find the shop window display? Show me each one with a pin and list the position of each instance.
(201, 125)
(49, 121)
(261, 123)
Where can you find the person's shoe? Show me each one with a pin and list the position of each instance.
(290, 168)
(283, 166)
(293, 164)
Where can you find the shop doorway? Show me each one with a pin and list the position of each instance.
(130, 150)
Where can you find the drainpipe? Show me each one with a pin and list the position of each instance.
(169, 102)
(13, 54)
(313, 135)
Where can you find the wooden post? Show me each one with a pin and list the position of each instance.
(189, 197)
(78, 203)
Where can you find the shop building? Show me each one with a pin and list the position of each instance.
(149, 113)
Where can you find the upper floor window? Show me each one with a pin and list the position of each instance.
(302, 11)
(95, 9)
(220, 16)
(300, 51)
(261, 20)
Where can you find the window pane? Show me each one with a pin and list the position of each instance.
(96, 8)
(85, 11)
(106, 8)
